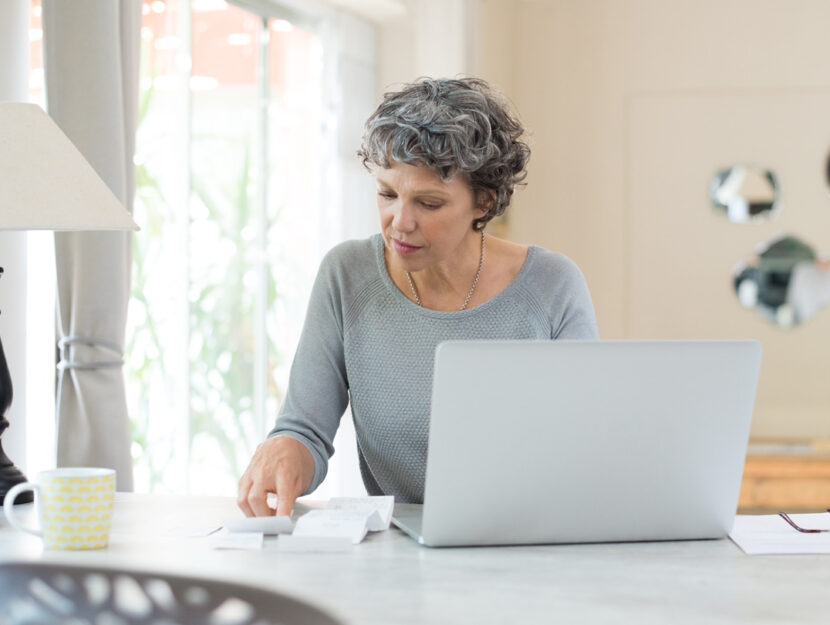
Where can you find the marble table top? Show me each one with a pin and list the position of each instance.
(389, 579)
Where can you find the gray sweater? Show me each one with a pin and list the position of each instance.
(366, 343)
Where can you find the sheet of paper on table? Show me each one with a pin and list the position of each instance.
(343, 523)
(378, 508)
(770, 534)
(346, 517)
(269, 525)
(332, 524)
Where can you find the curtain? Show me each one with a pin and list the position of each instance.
(91, 52)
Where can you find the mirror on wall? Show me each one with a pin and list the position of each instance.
(787, 283)
(745, 193)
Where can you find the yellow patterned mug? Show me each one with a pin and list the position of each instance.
(75, 506)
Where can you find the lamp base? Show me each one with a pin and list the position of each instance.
(9, 476)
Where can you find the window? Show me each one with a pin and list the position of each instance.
(233, 145)
(40, 306)
(244, 179)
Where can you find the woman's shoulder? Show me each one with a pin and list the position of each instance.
(522, 258)
(351, 266)
(353, 250)
(557, 285)
(544, 264)
(532, 267)
(553, 278)
(353, 256)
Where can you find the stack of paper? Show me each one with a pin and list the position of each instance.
(377, 509)
(345, 522)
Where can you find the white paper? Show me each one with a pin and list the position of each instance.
(269, 525)
(333, 523)
(379, 509)
(770, 534)
(246, 540)
(294, 543)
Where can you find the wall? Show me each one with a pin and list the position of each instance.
(431, 38)
(632, 106)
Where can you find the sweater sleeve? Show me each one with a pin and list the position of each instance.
(318, 386)
(577, 319)
(562, 292)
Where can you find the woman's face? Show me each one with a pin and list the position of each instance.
(425, 220)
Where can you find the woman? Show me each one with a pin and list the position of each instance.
(446, 155)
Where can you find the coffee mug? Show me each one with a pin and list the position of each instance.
(75, 505)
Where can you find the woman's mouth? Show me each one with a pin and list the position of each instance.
(404, 248)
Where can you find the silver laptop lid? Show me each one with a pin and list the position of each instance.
(572, 441)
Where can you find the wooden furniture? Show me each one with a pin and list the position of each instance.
(792, 477)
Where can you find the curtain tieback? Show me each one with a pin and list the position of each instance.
(74, 358)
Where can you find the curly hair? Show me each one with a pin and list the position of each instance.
(451, 126)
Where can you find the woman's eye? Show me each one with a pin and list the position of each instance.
(387, 196)
(430, 205)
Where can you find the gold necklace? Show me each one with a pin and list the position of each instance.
(472, 288)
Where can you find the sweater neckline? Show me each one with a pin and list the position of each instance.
(396, 293)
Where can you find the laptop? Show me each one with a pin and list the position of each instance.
(546, 442)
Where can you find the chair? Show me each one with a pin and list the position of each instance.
(35, 593)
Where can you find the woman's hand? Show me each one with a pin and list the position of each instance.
(281, 465)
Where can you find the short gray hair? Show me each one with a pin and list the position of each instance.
(452, 126)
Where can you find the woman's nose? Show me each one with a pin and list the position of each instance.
(404, 218)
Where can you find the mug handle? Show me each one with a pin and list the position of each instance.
(9, 509)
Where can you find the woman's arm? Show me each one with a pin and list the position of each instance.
(572, 314)
(294, 458)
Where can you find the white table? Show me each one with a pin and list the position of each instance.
(388, 579)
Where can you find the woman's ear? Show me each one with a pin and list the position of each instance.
(485, 199)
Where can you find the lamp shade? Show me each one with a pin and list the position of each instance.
(45, 182)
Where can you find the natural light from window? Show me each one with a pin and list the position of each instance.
(239, 192)
(228, 175)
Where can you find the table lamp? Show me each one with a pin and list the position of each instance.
(45, 184)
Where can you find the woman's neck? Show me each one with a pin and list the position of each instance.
(446, 285)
